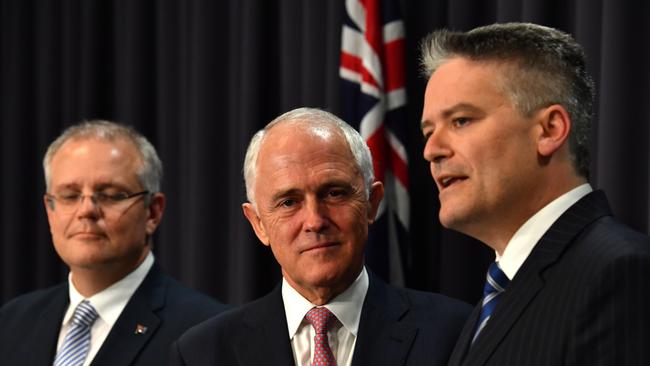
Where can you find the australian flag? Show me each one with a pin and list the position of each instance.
(374, 100)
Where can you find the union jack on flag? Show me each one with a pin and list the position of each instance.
(374, 100)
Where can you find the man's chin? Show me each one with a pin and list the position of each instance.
(451, 219)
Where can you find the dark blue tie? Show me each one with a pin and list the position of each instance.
(496, 282)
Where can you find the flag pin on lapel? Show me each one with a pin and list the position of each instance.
(140, 329)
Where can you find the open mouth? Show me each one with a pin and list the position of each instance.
(447, 182)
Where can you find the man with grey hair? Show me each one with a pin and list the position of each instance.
(506, 118)
(103, 205)
(312, 195)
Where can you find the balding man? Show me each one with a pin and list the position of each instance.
(312, 194)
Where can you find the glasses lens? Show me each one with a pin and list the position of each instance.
(70, 203)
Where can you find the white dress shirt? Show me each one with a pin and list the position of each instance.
(342, 337)
(525, 239)
(109, 304)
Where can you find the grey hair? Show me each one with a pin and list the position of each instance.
(547, 66)
(310, 118)
(149, 174)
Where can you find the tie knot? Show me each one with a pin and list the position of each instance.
(321, 319)
(496, 280)
(85, 314)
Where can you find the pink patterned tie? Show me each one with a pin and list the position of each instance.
(322, 320)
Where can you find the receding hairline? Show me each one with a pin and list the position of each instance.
(115, 133)
(132, 150)
(309, 120)
(318, 129)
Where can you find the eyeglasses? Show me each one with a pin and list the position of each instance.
(69, 202)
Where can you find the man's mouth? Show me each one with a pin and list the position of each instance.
(446, 182)
(87, 235)
(321, 246)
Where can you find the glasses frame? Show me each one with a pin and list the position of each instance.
(51, 199)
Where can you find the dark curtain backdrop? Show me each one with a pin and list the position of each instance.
(200, 77)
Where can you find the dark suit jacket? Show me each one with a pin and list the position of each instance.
(397, 327)
(582, 297)
(30, 324)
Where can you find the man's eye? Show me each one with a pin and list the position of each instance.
(288, 203)
(69, 197)
(337, 193)
(105, 197)
(460, 121)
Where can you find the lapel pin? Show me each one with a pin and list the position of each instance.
(140, 329)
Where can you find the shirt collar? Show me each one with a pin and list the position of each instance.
(525, 239)
(110, 302)
(346, 306)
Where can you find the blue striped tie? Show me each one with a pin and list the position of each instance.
(496, 282)
(75, 347)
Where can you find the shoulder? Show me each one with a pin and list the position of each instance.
(229, 323)
(607, 240)
(606, 261)
(32, 302)
(181, 296)
(422, 307)
(45, 305)
(223, 337)
(178, 299)
(432, 306)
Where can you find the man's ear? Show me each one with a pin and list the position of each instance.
(156, 209)
(376, 195)
(256, 222)
(555, 124)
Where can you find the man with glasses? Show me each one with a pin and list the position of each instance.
(103, 205)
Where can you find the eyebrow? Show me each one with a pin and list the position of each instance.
(98, 187)
(323, 187)
(458, 107)
(285, 193)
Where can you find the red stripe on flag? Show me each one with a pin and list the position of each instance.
(354, 64)
(393, 60)
(374, 28)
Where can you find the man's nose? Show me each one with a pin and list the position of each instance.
(316, 219)
(437, 147)
(87, 207)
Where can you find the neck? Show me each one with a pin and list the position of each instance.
(89, 281)
(321, 294)
(497, 233)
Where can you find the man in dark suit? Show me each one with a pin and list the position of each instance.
(312, 194)
(507, 114)
(103, 204)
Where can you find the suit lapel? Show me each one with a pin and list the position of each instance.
(137, 323)
(382, 338)
(465, 338)
(529, 280)
(48, 327)
(266, 340)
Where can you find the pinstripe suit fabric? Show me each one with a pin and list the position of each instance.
(582, 297)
